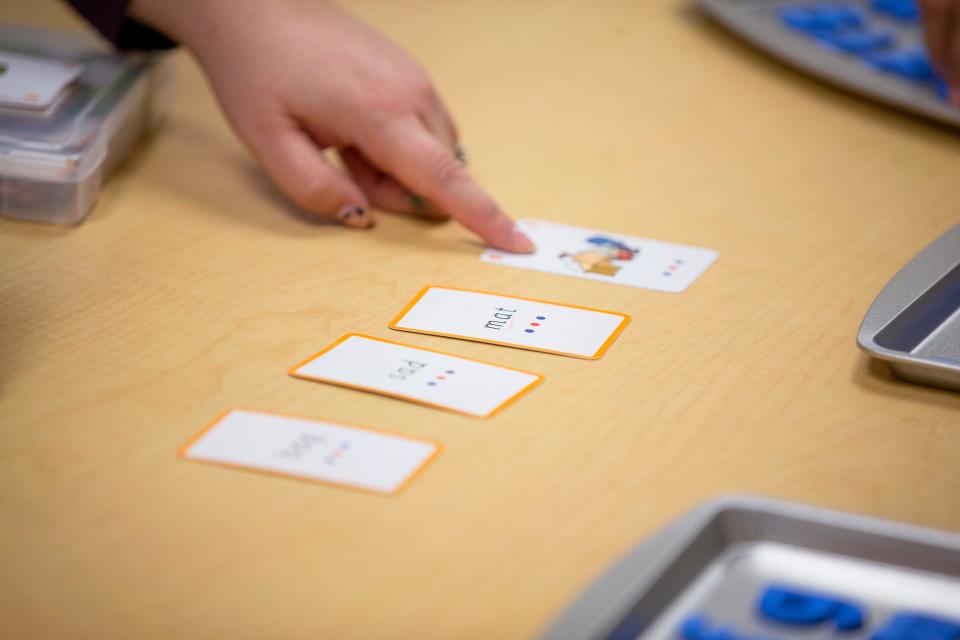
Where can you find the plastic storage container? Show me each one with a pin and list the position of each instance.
(70, 110)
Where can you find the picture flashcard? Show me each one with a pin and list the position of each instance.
(525, 323)
(310, 449)
(607, 257)
(419, 375)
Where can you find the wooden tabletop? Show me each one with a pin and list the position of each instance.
(193, 287)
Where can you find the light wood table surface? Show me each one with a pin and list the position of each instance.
(193, 287)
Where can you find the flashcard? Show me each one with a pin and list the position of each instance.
(338, 454)
(419, 375)
(34, 83)
(606, 257)
(525, 323)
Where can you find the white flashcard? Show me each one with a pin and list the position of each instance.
(34, 83)
(419, 375)
(526, 323)
(607, 257)
(323, 451)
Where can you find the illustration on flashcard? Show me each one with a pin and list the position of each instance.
(603, 255)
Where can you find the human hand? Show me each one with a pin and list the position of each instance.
(295, 77)
(941, 21)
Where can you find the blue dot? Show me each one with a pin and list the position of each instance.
(679, 261)
(666, 273)
(432, 383)
(344, 445)
(541, 317)
(529, 330)
(450, 372)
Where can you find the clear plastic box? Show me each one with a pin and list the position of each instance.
(53, 159)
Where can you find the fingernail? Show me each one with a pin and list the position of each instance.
(354, 216)
(520, 242)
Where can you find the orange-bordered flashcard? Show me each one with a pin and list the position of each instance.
(345, 455)
(511, 321)
(425, 376)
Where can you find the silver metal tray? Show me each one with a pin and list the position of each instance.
(716, 559)
(914, 324)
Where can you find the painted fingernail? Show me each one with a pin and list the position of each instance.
(520, 242)
(354, 216)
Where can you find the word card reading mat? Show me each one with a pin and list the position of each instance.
(419, 375)
(310, 449)
(510, 321)
(607, 257)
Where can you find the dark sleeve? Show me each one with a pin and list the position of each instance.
(111, 20)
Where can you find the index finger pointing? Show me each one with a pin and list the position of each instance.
(414, 156)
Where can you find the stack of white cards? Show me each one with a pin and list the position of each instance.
(34, 83)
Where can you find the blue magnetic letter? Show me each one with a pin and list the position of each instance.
(792, 607)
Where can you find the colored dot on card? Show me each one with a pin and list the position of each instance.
(672, 267)
(432, 383)
(344, 445)
(441, 377)
(541, 317)
(679, 261)
(450, 372)
(534, 324)
(666, 273)
(529, 330)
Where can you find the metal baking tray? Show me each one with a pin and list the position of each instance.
(757, 22)
(914, 324)
(716, 559)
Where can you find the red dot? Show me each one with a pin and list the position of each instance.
(441, 377)
(534, 324)
(672, 267)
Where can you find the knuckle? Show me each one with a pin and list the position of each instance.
(422, 87)
(388, 105)
(448, 171)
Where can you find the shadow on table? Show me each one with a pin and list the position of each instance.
(875, 376)
(227, 181)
